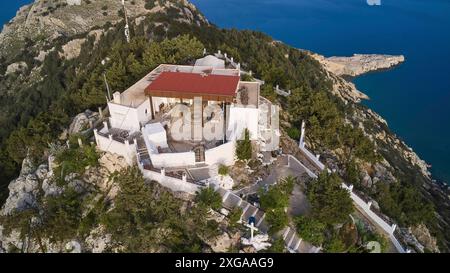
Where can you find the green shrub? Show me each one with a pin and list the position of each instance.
(209, 197)
(293, 133)
(277, 219)
(330, 203)
(244, 147)
(223, 170)
(310, 230)
(234, 216)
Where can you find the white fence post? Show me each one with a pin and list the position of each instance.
(96, 136)
(100, 112)
(302, 135)
(394, 227)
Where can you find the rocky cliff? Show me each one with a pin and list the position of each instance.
(359, 64)
(37, 25)
(399, 160)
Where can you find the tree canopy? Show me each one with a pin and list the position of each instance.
(330, 203)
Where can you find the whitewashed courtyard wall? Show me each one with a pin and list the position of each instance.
(169, 182)
(223, 154)
(240, 119)
(173, 160)
(123, 117)
(107, 144)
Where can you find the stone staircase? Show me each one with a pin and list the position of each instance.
(292, 241)
(142, 151)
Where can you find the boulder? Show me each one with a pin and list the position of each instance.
(423, 235)
(16, 67)
(27, 166)
(42, 172)
(79, 186)
(73, 247)
(50, 188)
(98, 241)
(221, 243)
(113, 162)
(366, 180)
(81, 122)
(22, 194)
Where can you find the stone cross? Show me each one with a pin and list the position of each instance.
(251, 226)
(127, 27)
(302, 135)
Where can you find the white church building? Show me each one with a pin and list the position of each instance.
(181, 116)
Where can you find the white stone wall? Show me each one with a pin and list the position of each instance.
(123, 117)
(144, 112)
(169, 182)
(295, 164)
(173, 160)
(241, 118)
(107, 144)
(312, 157)
(223, 154)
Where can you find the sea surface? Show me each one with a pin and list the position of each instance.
(8, 9)
(414, 98)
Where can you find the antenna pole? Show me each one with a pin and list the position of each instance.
(127, 27)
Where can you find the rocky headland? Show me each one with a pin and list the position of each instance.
(359, 64)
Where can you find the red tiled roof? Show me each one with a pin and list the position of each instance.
(194, 83)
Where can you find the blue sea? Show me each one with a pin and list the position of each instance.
(414, 98)
(8, 9)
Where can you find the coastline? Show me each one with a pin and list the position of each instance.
(329, 65)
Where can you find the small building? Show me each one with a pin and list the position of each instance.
(211, 61)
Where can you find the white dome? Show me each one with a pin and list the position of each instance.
(211, 61)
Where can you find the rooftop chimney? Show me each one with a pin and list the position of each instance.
(117, 97)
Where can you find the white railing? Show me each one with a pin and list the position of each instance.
(366, 207)
(312, 157)
(173, 183)
(308, 171)
(282, 92)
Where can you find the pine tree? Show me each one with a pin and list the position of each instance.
(244, 147)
